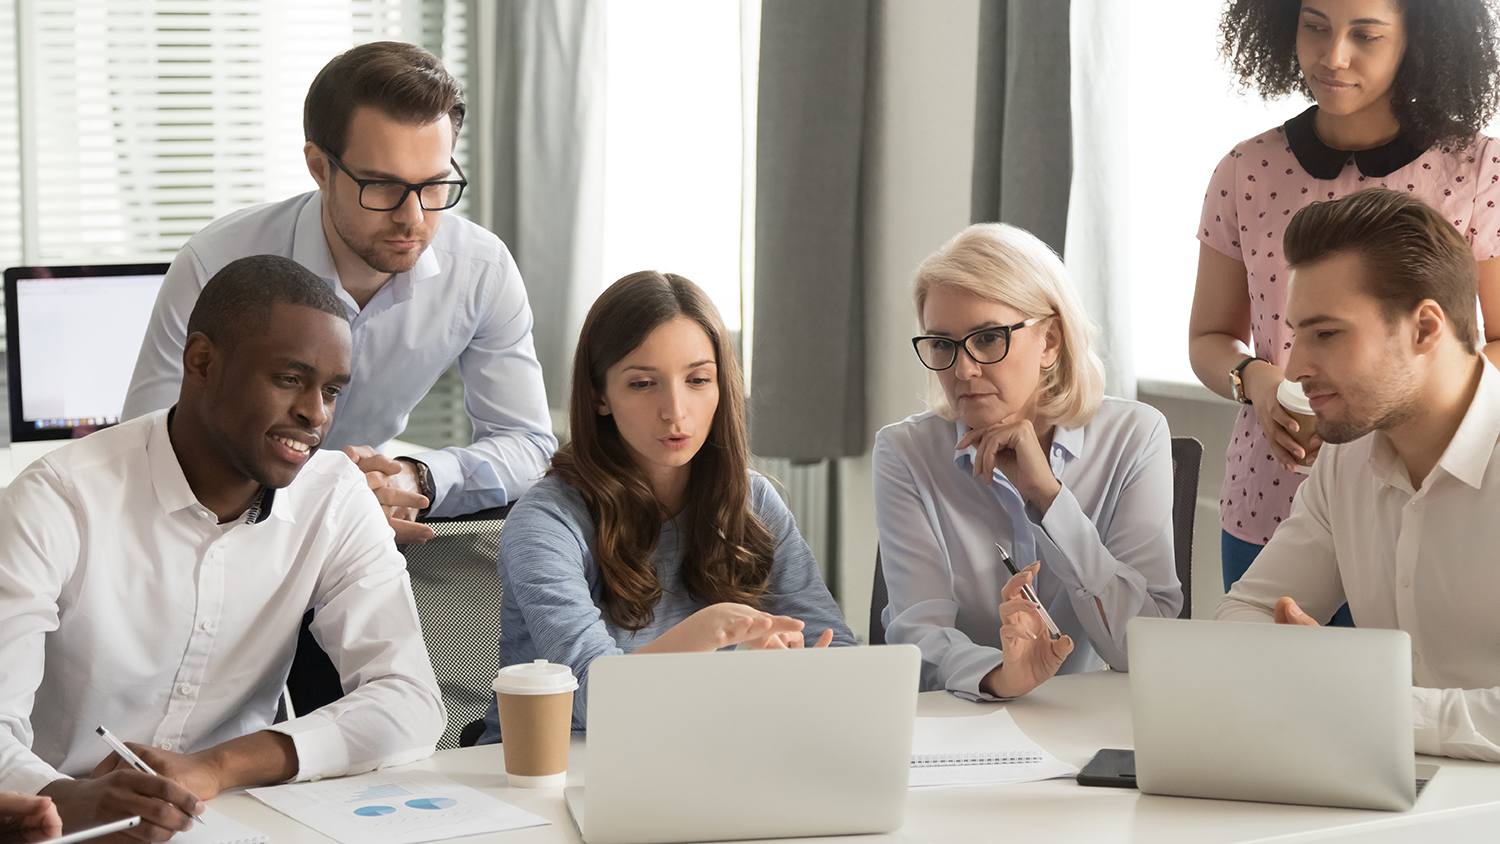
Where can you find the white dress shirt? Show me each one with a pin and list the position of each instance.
(1423, 561)
(1107, 536)
(124, 603)
(463, 300)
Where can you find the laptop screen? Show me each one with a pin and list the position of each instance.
(73, 334)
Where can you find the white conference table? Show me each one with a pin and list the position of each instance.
(1070, 716)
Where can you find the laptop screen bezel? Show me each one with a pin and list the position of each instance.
(20, 429)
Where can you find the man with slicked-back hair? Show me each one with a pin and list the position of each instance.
(422, 288)
(153, 577)
(1399, 515)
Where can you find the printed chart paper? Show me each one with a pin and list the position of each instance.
(388, 807)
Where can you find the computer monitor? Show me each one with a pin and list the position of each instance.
(73, 334)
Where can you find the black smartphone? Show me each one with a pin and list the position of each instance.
(1110, 768)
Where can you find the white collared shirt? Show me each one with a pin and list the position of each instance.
(463, 300)
(1424, 561)
(1107, 536)
(124, 603)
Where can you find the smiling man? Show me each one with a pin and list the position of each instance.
(421, 288)
(153, 576)
(1399, 515)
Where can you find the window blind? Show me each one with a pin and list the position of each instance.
(127, 125)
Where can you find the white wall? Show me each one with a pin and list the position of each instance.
(919, 164)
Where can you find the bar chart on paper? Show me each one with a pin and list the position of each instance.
(389, 808)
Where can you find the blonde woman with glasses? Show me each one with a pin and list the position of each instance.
(1020, 449)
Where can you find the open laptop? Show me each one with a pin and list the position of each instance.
(73, 335)
(747, 744)
(1273, 713)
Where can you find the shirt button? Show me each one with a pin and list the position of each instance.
(1405, 583)
(185, 688)
(166, 745)
(203, 514)
(1416, 506)
(208, 624)
(1416, 657)
(314, 777)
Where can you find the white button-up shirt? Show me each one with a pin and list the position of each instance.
(1107, 536)
(1424, 561)
(463, 300)
(124, 603)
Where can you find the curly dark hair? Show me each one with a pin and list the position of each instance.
(1445, 89)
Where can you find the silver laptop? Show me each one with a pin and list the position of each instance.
(1273, 713)
(747, 744)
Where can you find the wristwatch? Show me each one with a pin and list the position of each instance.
(1237, 380)
(424, 480)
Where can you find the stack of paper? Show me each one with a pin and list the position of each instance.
(978, 750)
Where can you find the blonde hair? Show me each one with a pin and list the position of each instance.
(1009, 265)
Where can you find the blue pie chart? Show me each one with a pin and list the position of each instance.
(374, 811)
(432, 803)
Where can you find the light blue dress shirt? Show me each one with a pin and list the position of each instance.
(1107, 536)
(463, 300)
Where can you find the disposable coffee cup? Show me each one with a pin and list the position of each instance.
(1295, 403)
(536, 721)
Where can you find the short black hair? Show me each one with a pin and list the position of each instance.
(1444, 91)
(239, 298)
(1411, 253)
(402, 80)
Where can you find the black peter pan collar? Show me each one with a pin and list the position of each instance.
(1322, 161)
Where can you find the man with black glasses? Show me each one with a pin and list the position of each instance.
(421, 288)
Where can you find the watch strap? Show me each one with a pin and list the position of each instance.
(424, 480)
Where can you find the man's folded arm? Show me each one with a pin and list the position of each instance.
(1299, 561)
(392, 712)
(1462, 723)
(38, 551)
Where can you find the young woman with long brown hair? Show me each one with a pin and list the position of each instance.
(650, 533)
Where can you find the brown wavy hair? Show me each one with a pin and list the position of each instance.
(1444, 91)
(727, 551)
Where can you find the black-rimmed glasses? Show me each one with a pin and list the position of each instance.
(386, 195)
(987, 345)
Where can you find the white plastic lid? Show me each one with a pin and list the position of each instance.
(1292, 398)
(535, 678)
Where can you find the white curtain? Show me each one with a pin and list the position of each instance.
(1098, 239)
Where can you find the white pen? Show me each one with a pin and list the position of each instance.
(1029, 593)
(129, 756)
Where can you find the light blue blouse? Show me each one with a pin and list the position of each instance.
(552, 596)
(1107, 536)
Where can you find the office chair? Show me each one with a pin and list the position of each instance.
(1187, 459)
(457, 593)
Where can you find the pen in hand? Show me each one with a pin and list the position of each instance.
(129, 756)
(1029, 593)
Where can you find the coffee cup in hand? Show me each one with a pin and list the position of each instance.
(1295, 403)
(536, 721)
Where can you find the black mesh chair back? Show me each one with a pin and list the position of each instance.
(1187, 459)
(457, 591)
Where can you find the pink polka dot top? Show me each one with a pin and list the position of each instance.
(1252, 196)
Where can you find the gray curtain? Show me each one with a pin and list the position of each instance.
(808, 395)
(537, 104)
(1023, 159)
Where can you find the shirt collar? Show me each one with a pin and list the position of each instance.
(310, 249)
(1322, 161)
(171, 485)
(1468, 454)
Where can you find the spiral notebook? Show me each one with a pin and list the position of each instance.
(220, 829)
(978, 750)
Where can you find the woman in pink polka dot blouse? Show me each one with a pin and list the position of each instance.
(1401, 91)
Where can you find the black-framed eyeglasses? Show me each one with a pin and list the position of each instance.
(987, 345)
(386, 195)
